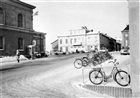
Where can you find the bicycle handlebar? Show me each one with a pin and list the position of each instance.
(113, 61)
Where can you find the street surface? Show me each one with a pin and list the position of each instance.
(52, 77)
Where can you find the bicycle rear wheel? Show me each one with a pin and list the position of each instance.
(122, 78)
(78, 63)
(96, 77)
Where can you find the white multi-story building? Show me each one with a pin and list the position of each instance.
(79, 40)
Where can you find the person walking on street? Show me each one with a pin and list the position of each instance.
(18, 55)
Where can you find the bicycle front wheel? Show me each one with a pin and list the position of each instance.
(96, 77)
(78, 63)
(122, 78)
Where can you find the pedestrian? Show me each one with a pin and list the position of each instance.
(18, 55)
(96, 50)
(77, 51)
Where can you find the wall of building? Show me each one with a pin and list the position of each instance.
(104, 42)
(55, 45)
(39, 38)
(125, 39)
(107, 42)
(10, 30)
(11, 11)
(80, 42)
(11, 41)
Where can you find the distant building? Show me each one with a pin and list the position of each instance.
(118, 45)
(54, 45)
(81, 41)
(16, 28)
(125, 37)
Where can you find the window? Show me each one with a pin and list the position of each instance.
(2, 43)
(66, 49)
(60, 49)
(38, 42)
(66, 41)
(126, 42)
(1, 16)
(60, 41)
(75, 40)
(71, 41)
(20, 20)
(126, 35)
(20, 44)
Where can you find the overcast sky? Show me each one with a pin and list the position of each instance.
(57, 17)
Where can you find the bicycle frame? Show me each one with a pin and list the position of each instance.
(112, 73)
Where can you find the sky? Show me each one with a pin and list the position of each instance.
(57, 17)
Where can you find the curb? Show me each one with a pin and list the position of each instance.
(113, 92)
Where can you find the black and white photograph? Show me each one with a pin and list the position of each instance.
(69, 49)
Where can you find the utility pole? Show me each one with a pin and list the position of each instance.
(134, 36)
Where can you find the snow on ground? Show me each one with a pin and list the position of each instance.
(58, 83)
(11, 59)
(61, 82)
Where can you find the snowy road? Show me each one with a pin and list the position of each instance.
(56, 78)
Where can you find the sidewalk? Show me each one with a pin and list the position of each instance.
(12, 59)
(9, 62)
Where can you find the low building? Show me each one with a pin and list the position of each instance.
(54, 45)
(107, 42)
(118, 46)
(79, 40)
(16, 29)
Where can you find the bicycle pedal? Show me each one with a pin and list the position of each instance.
(105, 80)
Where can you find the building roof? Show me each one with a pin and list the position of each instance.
(78, 35)
(126, 28)
(54, 41)
(36, 32)
(107, 36)
(24, 4)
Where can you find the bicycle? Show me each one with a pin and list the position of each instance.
(83, 62)
(97, 58)
(97, 75)
(78, 63)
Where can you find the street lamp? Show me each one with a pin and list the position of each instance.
(86, 31)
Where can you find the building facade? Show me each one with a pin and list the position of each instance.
(54, 45)
(16, 28)
(118, 45)
(125, 37)
(82, 41)
(107, 42)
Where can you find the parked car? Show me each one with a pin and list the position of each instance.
(59, 52)
(42, 54)
(125, 52)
